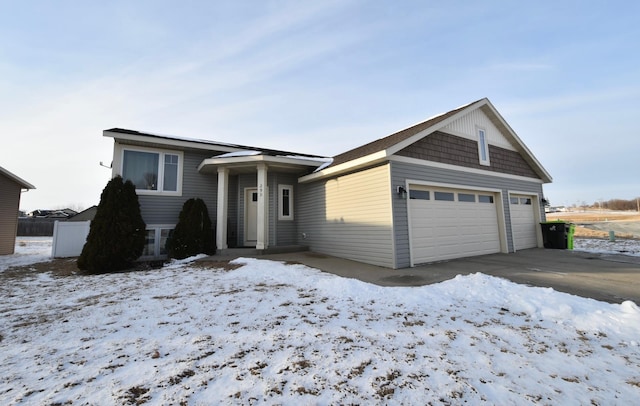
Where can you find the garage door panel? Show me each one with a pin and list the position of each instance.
(442, 230)
(523, 223)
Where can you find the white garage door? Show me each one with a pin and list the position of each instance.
(451, 223)
(523, 222)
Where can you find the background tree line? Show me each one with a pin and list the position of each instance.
(619, 204)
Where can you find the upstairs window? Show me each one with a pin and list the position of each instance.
(153, 172)
(483, 147)
(285, 202)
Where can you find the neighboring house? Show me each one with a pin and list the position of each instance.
(460, 184)
(53, 214)
(11, 187)
(85, 215)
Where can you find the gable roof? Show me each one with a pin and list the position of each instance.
(173, 141)
(382, 149)
(391, 140)
(23, 183)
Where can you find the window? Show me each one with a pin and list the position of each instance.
(446, 196)
(419, 194)
(483, 147)
(285, 202)
(466, 197)
(485, 199)
(514, 200)
(153, 172)
(525, 200)
(156, 241)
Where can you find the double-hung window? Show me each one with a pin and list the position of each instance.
(285, 202)
(153, 172)
(483, 147)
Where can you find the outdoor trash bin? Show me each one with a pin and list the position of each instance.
(557, 234)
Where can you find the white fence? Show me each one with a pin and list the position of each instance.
(69, 238)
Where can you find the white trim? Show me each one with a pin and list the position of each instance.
(281, 215)
(222, 208)
(451, 186)
(421, 162)
(256, 159)
(346, 167)
(245, 241)
(509, 130)
(157, 228)
(118, 168)
(263, 207)
(21, 182)
(435, 127)
(483, 146)
(537, 216)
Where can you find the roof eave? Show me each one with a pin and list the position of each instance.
(171, 142)
(255, 159)
(435, 127)
(348, 166)
(23, 183)
(522, 148)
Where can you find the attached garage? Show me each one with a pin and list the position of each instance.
(447, 223)
(524, 222)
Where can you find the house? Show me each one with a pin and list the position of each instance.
(53, 214)
(11, 187)
(459, 184)
(85, 215)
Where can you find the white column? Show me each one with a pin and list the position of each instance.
(263, 208)
(223, 208)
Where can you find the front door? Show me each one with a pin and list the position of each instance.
(250, 216)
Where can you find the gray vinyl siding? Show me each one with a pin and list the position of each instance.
(401, 171)
(349, 216)
(9, 206)
(284, 232)
(166, 209)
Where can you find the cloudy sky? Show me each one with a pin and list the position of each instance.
(317, 77)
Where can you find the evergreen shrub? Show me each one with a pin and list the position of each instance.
(193, 234)
(117, 233)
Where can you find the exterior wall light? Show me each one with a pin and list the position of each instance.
(402, 192)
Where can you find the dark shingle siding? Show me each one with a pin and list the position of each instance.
(391, 140)
(453, 150)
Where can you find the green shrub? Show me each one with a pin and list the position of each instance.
(117, 233)
(193, 234)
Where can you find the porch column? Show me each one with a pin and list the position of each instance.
(263, 208)
(223, 208)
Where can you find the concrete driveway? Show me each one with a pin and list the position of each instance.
(609, 278)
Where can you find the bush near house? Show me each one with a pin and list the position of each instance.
(193, 234)
(117, 234)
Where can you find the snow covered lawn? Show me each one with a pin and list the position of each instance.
(271, 333)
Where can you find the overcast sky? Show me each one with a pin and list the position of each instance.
(316, 77)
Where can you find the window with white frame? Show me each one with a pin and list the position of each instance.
(156, 241)
(285, 202)
(153, 171)
(483, 147)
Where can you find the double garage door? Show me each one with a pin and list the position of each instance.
(451, 223)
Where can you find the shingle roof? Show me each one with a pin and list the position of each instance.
(237, 147)
(393, 139)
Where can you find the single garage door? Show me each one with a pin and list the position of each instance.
(523, 222)
(451, 223)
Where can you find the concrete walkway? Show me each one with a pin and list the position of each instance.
(610, 278)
